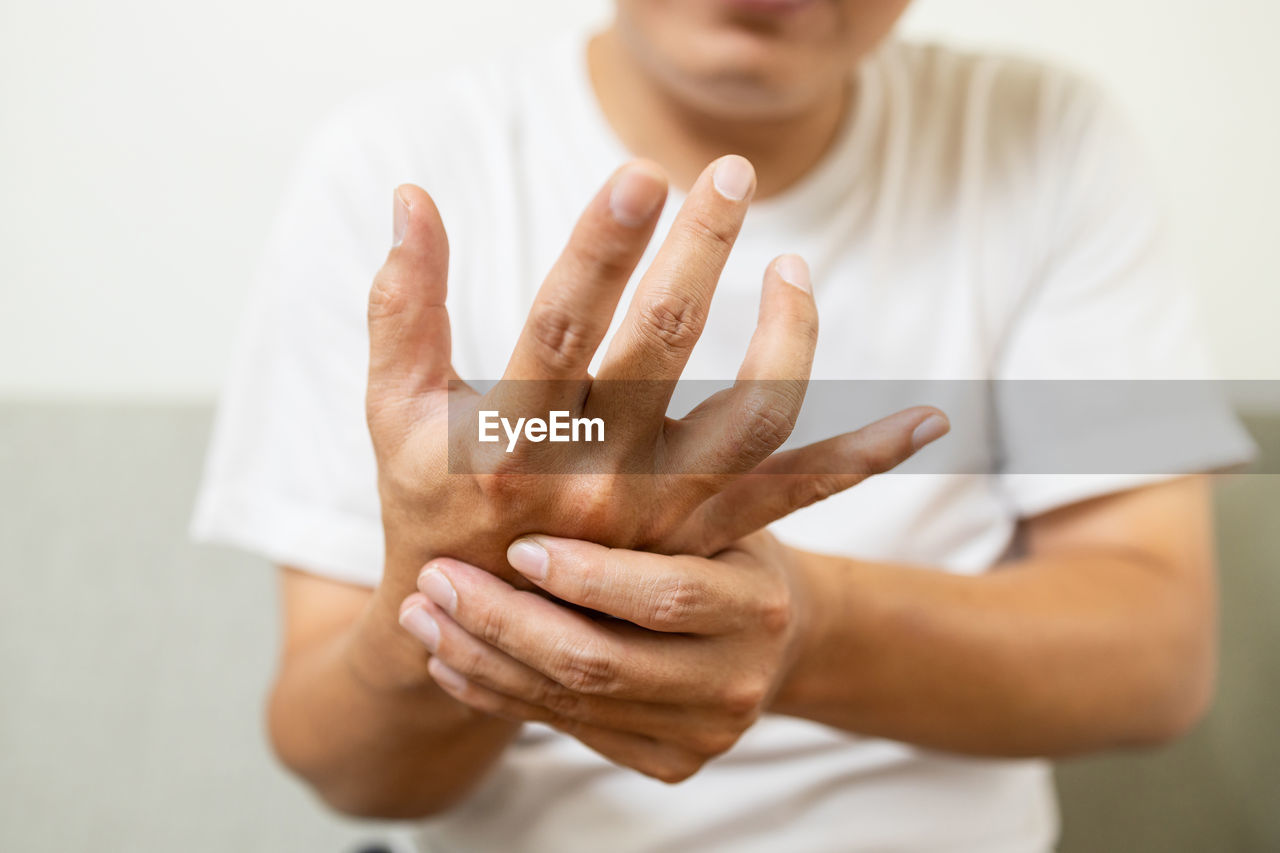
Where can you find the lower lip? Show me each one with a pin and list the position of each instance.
(769, 7)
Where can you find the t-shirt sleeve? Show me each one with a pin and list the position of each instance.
(1104, 379)
(290, 472)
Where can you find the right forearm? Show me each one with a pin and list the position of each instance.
(356, 715)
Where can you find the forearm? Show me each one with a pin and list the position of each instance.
(355, 714)
(1052, 655)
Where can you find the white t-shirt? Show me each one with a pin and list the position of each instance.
(977, 217)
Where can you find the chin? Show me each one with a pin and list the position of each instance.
(744, 74)
(739, 66)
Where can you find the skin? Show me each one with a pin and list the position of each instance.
(1099, 638)
(1101, 634)
(353, 709)
(685, 81)
(480, 497)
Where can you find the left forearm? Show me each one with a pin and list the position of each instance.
(1053, 655)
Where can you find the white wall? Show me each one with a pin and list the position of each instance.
(143, 145)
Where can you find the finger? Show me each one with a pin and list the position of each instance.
(732, 433)
(787, 327)
(409, 339)
(661, 593)
(669, 310)
(661, 760)
(665, 762)
(486, 666)
(575, 305)
(789, 481)
(480, 662)
(568, 647)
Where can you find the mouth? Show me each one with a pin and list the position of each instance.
(768, 7)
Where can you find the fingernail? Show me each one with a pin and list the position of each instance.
(418, 622)
(445, 675)
(636, 194)
(794, 271)
(930, 429)
(434, 585)
(733, 177)
(528, 558)
(399, 220)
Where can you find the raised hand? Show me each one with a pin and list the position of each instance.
(692, 485)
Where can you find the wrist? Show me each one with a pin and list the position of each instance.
(818, 607)
(380, 653)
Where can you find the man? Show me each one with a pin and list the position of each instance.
(888, 678)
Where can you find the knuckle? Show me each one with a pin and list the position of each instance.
(593, 502)
(675, 602)
(800, 492)
(712, 233)
(499, 482)
(602, 258)
(807, 490)
(768, 420)
(674, 319)
(387, 297)
(586, 669)
(559, 701)
(468, 660)
(823, 486)
(588, 589)
(560, 340)
(744, 696)
(491, 624)
(774, 611)
(801, 324)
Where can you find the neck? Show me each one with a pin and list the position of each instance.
(653, 123)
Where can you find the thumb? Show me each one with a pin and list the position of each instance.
(409, 340)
